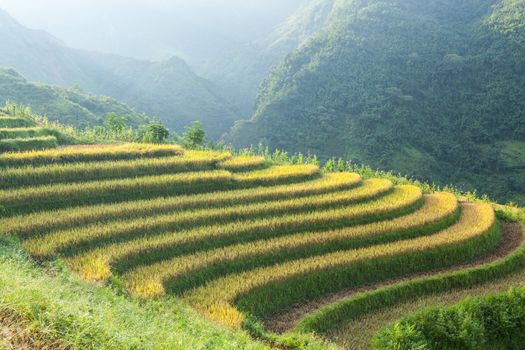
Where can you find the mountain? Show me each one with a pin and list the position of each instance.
(168, 90)
(70, 106)
(155, 29)
(430, 89)
(239, 71)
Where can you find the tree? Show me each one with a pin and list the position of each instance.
(115, 123)
(193, 136)
(154, 132)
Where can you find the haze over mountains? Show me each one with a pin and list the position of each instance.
(433, 90)
(168, 90)
(155, 29)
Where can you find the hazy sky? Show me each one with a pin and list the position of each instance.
(151, 29)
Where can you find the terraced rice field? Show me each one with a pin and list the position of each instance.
(20, 134)
(240, 239)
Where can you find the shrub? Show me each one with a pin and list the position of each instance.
(491, 322)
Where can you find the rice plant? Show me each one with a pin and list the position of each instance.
(75, 172)
(242, 163)
(88, 154)
(29, 143)
(56, 196)
(468, 237)
(177, 221)
(42, 222)
(96, 264)
(277, 174)
(439, 210)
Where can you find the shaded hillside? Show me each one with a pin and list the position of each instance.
(239, 72)
(168, 90)
(433, 90)
(68, 106)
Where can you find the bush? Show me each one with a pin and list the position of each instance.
(491, 322)
(193, 136)
(153, 132)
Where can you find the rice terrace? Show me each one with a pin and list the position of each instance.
(218, 250)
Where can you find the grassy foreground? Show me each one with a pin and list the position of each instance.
(84, 316)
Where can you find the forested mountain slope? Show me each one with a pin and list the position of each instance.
(240, 71)
(432, 89)
(168, 90)
(68, 106)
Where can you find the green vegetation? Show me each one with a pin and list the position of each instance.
(168, 90)
(193, 136)
(426, 90)
(22, 131)
(492, 322)
(28, 143)
(34, 132)
(68, 106)
(154, 132)
(240, 238)
(58, 307)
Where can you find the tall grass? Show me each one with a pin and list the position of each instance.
(14, 122)
(27, 225)
(243, 163)
(90, 317)
(179, 220)
(484, 323)
(265, 290)
(439, 211)
(88, 154)
(33, 132)
(31, 199)
(77, 172)
(96, 264)
(277, 174)
(30, 143)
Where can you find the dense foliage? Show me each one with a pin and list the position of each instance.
(68, 106)
(492, 322)
(432, 90)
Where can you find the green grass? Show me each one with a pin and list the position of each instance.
(29, 143)
(33, 132)
(484, 323)
(90, 317)
(14, 122)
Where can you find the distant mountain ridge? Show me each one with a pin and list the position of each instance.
(431, 89)
(168, 90)
(240, 72)
(70, 106)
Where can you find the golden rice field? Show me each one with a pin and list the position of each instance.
(238, 238)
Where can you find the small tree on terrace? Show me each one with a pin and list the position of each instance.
(193, 136)
(115, 123)
(154, 132)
